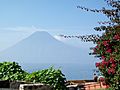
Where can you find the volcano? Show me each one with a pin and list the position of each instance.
(41, 47)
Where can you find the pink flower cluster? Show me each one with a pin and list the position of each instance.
(109, 50)
(112, 60)
(97, 64)
(110, 65)
(106, 43)
(117, 37)
(111, 71)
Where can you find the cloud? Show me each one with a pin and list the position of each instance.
(21, 29)
(59, 38)
(32, 29)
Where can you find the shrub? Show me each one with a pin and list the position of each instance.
(11, 71)
(49, 76)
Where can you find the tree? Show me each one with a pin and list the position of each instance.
(108, 44)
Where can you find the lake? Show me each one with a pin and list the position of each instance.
(72, 71)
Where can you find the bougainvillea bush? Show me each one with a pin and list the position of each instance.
(108, 49)
(108, 44)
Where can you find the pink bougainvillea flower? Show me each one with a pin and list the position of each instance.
(109, 51)
(103, 57)
(105, 43)
(113, 65)
(117, 37)
(97, 64)
(96, 47)
(111, 60)
(105, 63)
(111, 71)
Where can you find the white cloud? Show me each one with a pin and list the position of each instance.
(22, 29)
(60, 38)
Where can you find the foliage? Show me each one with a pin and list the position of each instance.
(49, 76)
(11, 71)
(108, 49)
(108, 45)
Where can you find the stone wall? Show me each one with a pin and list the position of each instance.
(8, 89)
(21, 85)
(4, 84)
(16, 84)
(38, 86)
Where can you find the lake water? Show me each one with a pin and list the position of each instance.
(71, 71)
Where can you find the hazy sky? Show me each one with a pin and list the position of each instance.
(19, 18)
